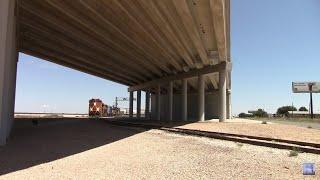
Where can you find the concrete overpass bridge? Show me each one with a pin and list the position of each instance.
(176, 51)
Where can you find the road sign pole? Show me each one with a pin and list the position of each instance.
(311, 105)
(116, 102)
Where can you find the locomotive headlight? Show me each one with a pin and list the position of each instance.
(94, 103)
(91, 109)
(98, 109)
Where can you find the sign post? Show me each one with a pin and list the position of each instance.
(311, 101)
(307, 87)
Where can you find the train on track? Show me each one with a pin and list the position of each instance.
(98, 109)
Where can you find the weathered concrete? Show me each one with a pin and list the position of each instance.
(96, 39)
(222, 95)
(201, 98)
(182, 75)
(184, 102)
(229, 110)
(8, 67)
(170, 101)
(158, 103)
(211, 106)
(131, 104)
(139, 104)
(141, 57)
(147, 106)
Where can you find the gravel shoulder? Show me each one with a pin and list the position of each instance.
(274, 130)
(247, 127)
(124, 153)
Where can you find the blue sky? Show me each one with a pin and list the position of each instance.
(273, 42)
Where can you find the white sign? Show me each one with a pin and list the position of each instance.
(306, 87)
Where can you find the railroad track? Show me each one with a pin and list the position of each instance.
(254, 140)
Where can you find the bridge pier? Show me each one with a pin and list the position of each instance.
(147, 106)
(8, 67)
(139, 104)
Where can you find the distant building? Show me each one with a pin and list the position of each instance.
(302, 114)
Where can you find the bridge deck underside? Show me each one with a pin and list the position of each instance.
(129, 42)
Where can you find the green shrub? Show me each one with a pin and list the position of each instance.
(244, 115)
(284, 110)
(303, 108)
(239, 145)
(260, 113)
(293, 153)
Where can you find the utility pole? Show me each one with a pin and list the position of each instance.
(311, 100)
(116, 102)
(121, 99)
(292, 111)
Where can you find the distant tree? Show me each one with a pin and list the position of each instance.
(260, 113)
(284, 110)
(303, 108)
(242, 115)
(257, 113)
(245, 115)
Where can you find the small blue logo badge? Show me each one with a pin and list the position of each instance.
(309, 169)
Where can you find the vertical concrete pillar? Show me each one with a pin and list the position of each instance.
(229, 110)
(184, 100)
(138, 103)
(131, 104)
(158, 102)
(147, 106)
(8, 67)
(201, 97)
(170, 101)
(222, 95)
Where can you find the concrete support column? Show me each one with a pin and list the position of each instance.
(201, 97)
(184, 100)
(229, 110)
(222, 95)
(158, 103)
(8, 67)
(147, 106)
(131, 104)
(170, 101)
(138, 103)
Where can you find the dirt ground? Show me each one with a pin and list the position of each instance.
(274, 130)
(248, 127)
(302, 122)
(96, 150)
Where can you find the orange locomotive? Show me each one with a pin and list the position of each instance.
(97, 108)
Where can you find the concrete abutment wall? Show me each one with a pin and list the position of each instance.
(8, 67)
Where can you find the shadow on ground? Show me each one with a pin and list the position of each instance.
(155, 123)
(30, 145)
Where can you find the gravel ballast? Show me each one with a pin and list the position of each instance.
(111, 152)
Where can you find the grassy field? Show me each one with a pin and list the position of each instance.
(303, 122)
